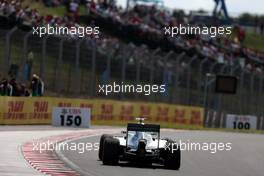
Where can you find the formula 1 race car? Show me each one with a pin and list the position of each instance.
(141, 143)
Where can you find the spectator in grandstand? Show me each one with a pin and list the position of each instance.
(37, 86)
(5, 88)
(141, 24)
(12, 88)
(15, 88)
(24, 91)
(18, 89)
(73, 7)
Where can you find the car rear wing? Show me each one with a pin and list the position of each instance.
(143, 127)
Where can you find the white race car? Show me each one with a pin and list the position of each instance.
(141, 143)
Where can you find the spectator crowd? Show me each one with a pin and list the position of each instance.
(142, 25)
(13, 88)
(145, 24)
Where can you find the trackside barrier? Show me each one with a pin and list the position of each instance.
(216, 119)
(35, 110)
(261, 127)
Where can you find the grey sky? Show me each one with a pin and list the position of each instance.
(235, 7)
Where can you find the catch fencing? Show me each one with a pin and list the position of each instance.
(75, 67)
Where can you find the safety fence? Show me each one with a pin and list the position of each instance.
(75, 67)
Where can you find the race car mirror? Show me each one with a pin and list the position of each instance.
(226, 84)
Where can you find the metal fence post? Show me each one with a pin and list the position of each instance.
(6, 59)
(123, 73)
(177, 77)
(166, 58)
(93, 81)
(241, 85)
(21, 75)
(261, 95)
(251, 94)
(164, 97)
(201, 87)
(108, 64)
(165, 74)
(207, 83)
(137, 72)
(189, 69)
(220, 96)
(42, 63)
(58, 67)
(123, 69)
(222, 71)
(222, 120)
(211, 71)
(212, 68)
(151, 76)
(232, 71)
(178, 60)
(77, 77)
(235, 105)
(262, 125)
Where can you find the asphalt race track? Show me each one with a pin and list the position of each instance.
(246, 158)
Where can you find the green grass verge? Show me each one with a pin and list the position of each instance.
(43, 10)
(254, 41)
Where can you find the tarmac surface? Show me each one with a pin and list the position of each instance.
(246, 157)
(12, 162)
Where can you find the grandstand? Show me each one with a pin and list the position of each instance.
(131, 48)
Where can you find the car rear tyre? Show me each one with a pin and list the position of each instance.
(110, 155)
(172, 158)
(101, 145)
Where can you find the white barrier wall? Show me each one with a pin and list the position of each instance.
(241, 122)
(216, 119)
